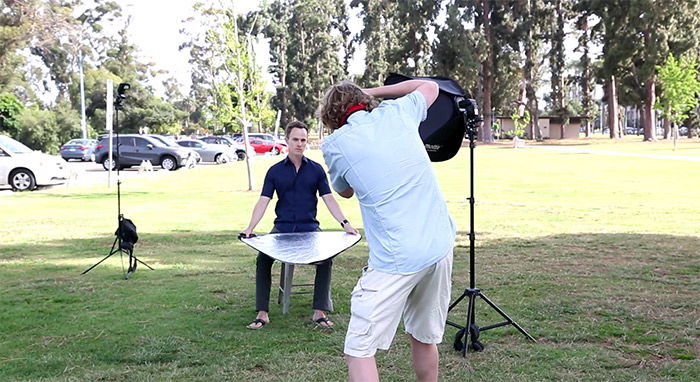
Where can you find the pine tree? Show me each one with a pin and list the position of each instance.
(396, 36)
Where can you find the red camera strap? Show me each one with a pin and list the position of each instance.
(351, 110)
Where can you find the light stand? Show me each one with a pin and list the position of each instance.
(471, 331)
(126, 231)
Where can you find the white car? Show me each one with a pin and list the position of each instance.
(24, 169)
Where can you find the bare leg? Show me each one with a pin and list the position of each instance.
(425, 360)
(362, 369)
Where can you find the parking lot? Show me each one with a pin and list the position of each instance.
(88, 173)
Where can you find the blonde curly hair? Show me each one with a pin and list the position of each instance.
(338, 98)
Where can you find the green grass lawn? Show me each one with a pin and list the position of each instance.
(597, 256)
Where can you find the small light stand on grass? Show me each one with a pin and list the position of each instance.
(470, 332)
(126, 235)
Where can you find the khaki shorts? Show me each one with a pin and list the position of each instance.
(380, 299)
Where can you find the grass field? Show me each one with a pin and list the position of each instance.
(597, 256)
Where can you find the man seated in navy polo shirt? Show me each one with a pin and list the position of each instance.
(296, 179)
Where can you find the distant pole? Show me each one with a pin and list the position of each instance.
(83, 124)
(109, 126)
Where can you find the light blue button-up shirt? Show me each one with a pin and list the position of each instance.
(381, 156)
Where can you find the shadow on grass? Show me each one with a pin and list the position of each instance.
(108, 195)
(603, 306)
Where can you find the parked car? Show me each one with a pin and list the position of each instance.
(209, 152)
(24, 169)
(629, 130)
(82, 149)
(237, 145)
(169, 141)
(268, 137)
(263, 146)
(135, 148)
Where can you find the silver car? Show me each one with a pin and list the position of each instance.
(209, 152)
(170, 142)
(82, 149)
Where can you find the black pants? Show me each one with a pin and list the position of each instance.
(263, 282)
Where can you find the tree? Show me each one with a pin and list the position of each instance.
(223, 62)
(487, 68)
(48, 30)
(680, 89)
(278, 13)
(665, 30)
(39, 130)
(10, 111)
(520, 122)
(585, 68)
(557, 62)
(457, 49)
(532, 25)
(396, 36)
(613, 32)
(312, 54)
(489, 46)
(637, 37)
(67, 122)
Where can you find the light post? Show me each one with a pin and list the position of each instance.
(83, 124)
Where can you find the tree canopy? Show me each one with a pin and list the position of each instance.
(514, 55)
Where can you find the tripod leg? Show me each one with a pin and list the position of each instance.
(457, 301)
(505, 316)
(137, 259)
(111, 252)
(132, 265)
(470, 322)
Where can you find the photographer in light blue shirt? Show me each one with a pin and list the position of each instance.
(375, 153)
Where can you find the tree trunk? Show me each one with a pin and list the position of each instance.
(560, 67)
(533, 128)
(667, 128)
(613, 118)
(562, 128)
(487, 72)
(649, 115)
(242, 106)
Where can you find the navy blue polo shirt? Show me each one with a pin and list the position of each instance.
(296, 194)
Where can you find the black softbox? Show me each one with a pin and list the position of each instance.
(443, 130)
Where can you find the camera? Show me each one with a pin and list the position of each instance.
(121, 95)
(469, 107)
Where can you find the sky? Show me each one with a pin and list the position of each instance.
(155, 30)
